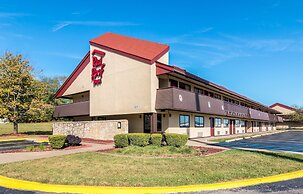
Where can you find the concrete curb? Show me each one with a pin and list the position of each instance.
(35, 186)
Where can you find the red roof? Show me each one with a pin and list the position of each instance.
(283, 106)
(142, 50)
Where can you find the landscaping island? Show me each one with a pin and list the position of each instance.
(120, 169)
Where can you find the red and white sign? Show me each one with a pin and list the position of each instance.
(98, 67)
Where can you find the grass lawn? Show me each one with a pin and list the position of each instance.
(29, 128)
(229, 138)
(93, 168)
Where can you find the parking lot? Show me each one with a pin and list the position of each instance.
(291, 141)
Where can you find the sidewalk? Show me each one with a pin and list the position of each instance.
(23, 156)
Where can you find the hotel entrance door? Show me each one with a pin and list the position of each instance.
(212, 126)
(147, 123)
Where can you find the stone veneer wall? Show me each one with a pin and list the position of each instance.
(103, 130)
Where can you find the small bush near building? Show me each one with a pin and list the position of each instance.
(73, 140)
(121, 140)
(57, 141)
(156, 139)
(138, 139)
(176, 140)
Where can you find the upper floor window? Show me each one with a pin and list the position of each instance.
(225, 122)
(218, 122)
(184, 86)
(199, 121)
(173, 83)
(198, 90)
(206, 93)
(217, 96)
(184, 121)
(225, 98)
(211, 94)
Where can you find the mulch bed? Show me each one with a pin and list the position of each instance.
(204, 151)
(48, 148)
(77, 147)
(96, 141)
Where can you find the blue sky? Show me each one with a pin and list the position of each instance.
(252, 47)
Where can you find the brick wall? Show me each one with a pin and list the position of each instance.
(103, 130)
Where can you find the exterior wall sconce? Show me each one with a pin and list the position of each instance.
(119, 125)
(140, 116)
(169, 115)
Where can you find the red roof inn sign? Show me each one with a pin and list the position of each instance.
(98, 67)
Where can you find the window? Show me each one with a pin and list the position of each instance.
(217, 96)
(198, 90)
(218, 122)
(211, 94)
(173, 83)
(199, 121)
(205, 93)
(238, 123)
(184, 86)
(225, 98)
(242, 123)
(225, 122)
(184, 121)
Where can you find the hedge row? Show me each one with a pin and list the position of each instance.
(61, 141)
(143, 139)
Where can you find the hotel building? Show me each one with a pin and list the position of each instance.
(122, 77)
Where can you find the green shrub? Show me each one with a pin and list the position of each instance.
(57, 141)
(176, 140)
(156, 139)
(121, 140)
(138, 139)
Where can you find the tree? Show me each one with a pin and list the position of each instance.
(297, 116)
(22, 96)
(54, 84)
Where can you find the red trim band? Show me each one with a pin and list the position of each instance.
(84, 62)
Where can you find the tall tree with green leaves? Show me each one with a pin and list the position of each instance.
(297, 116)
(22, 96)
(53, 85)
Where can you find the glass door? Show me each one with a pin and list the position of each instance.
(147, 123)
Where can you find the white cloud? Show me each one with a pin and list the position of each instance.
(63, 24)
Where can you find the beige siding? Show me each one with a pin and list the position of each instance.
(128, 87)
(284, 111)
(81, 83)
(135, 122)
(81, 97)
(164, 59)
